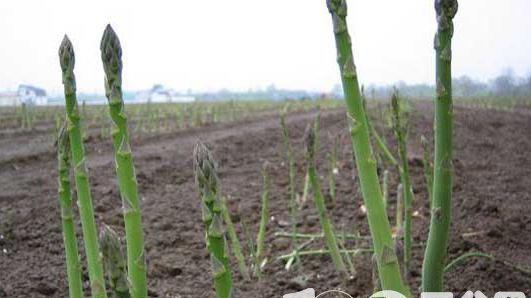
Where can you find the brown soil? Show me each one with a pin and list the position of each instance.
(491, 207)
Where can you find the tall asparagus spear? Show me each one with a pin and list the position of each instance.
(401, 135)
(73, 268)
(114, 262)
(111, 56)
(388, 267)
(326, 224)
(90, 235)
(435, 257)
(207, 183)
(264, 218)
(291, 168)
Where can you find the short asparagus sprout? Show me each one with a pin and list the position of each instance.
(436, 245)
(388, 267)
(73, 268)
(88, 224)
(326, 224)
(114, 262)
(264, 219)
(111, 56)
(400, 128)
(207, 183)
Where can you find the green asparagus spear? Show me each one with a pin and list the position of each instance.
(264, 219)
(400, 129)
(326, 224)
(435, 256)
(111, 56)
(388, 267)
(90, 235)
(73, 268)
(207, 183)
(114, 263)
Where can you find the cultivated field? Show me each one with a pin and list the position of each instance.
(491, 204)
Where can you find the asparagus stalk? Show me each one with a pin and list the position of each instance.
(385, 188)
(114, 262)
(326, 224)
(264, 219)
(399, 209)
(111, 56)
(332, 172)
(428, 168)
(90, 235)
(207, 183)
(291, 168)
(388, 267)
(400, 129)
(73, 268)
(235, 242)
(435, 255)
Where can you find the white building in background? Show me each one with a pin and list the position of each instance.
(32, 95)
(9, 98)
(159, 94)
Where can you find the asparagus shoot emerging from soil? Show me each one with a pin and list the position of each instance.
(428, 168)
(264, 219)
(73, 268)
(388, 267)
(435, 255)
(291, 168)
(207, 183)
(235, 242)
(114, 263)
(400, 128)
(326, 224)
(90, 234)
(111, 56)
(333, 171)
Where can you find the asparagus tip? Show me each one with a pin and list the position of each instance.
(66, 54)
(111, 51)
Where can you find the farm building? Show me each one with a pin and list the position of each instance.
(30, 95)
(9, 98)
(160, 94)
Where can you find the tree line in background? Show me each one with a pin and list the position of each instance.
(506, 84)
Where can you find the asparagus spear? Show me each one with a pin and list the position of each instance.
(114, 263)
(326, 224)
(90, 235)
(207, 183)
(291, 165)
(235, 242)
(428, 168)
(388, 267)
(111, 56)
(400, 129)
(73, 268)
(435, 256)
(264, 219)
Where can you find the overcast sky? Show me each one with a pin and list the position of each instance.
(242, 44)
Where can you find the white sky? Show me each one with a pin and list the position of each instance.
(241, 44)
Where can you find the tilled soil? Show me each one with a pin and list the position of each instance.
(491, 206)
